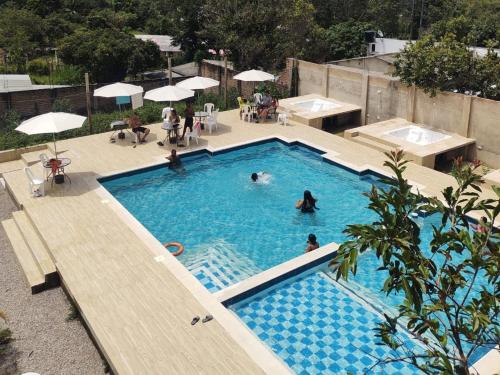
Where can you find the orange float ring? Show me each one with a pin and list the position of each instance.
(178, 245)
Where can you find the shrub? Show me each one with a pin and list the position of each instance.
(62, 105)
(39, 67)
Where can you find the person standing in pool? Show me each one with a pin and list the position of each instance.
(308, 204)
(174, 159)
(312, 243)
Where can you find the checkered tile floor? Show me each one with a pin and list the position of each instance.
(317, 327)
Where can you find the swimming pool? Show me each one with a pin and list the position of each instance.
(232, 228)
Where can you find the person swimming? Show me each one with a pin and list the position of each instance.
(312, 243)
(260, 177)
(308, 204)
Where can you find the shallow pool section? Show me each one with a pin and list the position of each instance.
(316, 105)
(417, 135)
(232, 228)
(319, 327)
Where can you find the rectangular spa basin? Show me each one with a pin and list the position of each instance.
(417, 135)
(316, 105)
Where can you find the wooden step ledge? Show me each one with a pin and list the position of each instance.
(37, 247)
(32, 272)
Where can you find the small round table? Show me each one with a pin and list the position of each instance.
(62, 162)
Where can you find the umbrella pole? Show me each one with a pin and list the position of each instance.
(55, 148)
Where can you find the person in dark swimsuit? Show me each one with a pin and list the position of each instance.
(308, 204)
(188, 114)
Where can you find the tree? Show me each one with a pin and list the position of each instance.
(330, 12)
(347, 40)
(432, 66)
(451, 291)
(256, 34)
(21, 32)
(108, 54)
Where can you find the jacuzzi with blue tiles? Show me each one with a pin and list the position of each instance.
(233, 229)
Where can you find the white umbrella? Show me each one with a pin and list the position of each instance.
(168, 94)
(198, 83)
(52, 122)
(118, 89)
(254, 76)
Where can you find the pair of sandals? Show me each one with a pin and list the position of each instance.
(206, 319)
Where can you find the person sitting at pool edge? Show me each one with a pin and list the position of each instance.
(135, 123)
(308, 204)
(175, 160)
(312, 243)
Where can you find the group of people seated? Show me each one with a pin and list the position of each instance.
(171, 117)
(266, 106)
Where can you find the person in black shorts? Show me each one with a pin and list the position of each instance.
(135, 123)
(188, 115)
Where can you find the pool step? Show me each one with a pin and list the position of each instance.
(37, 247)
(217, 267)
(372, 143)
(32, 272)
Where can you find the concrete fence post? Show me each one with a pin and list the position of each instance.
(326, 81)
(410, 103)
(364, 96)
(465, 120)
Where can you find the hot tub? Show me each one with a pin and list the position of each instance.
(417, 135)
(316, 105)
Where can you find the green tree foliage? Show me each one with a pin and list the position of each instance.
(109, 55)
(448, 64)
(330, 12)
(257, 34)
(21, 33)
(451, 295)
(347, 40)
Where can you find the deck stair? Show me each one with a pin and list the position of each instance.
(31, 252)
(30, 158)
(372, 143)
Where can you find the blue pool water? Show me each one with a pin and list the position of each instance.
(232, 228)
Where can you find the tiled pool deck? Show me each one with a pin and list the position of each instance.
(137, 301)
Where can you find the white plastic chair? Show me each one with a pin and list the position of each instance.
(208, 107)
(283, 118)
(166, 112)
(35, 183)
(44, 159)
(212, 120)
(247, 113)
(258, 97)
(195, 134)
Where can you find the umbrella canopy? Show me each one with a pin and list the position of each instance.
(168, 93)
(198, 83)
(118, 89)
(254, 76)
(52, 122)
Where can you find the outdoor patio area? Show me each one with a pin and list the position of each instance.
(136, 300)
